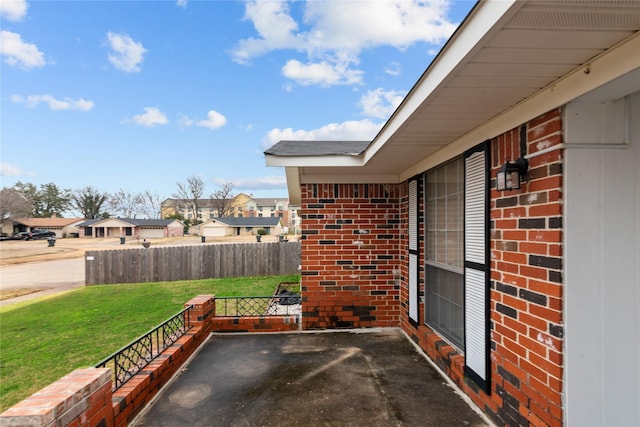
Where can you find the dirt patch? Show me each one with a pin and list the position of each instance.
(15, 293)
(19, 252)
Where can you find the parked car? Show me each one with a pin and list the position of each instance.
(39, 234)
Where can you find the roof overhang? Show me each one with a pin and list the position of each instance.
(508, 62)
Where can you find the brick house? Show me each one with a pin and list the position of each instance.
(240, 226)
(131, 227)
(527, 299)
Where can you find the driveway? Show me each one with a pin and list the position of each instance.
(52, 276)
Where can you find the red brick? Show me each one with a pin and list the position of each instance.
(533, 248)
(545, 288)
(552, 316)
(550, 209)
(534, 372)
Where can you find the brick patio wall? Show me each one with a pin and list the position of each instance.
(350, 249)
(85, 396)
(257, 324)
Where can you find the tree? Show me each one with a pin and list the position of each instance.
(13, 204)
(191, 193)
(151, 204)
(89, 202)
(52, 201)
(127, 204)
(222, 199)
(47, 201)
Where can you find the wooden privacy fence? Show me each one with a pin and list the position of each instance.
(166, 264)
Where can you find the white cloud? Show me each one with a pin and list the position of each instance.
(275, 27)
(379, 103)
(333, 33)
(321, 73)
(54, 104)
(393, 69)
(18, 52)
(7, 169)
(399, 23)
(362, 130)
(151, 117)
(182, 3)
(13, 10)
(126, 54)
(214, 120)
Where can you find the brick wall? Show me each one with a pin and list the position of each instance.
(257, 324)
(350, 255)
(526, 288)
(526, 280)
(81, 398)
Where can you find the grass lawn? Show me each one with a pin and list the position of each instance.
(43, 341)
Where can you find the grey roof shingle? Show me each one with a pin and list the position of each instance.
(317, 148)
(132, 221)
(249, 221)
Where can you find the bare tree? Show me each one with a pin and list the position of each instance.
(127, 204)
(191, 193)
(13, 204)
(89, 202)
(151, 204)
(222, 198)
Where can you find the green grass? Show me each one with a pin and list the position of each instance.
(43, 341)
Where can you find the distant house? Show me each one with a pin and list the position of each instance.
(236, 226)
(63, 227)
(132, 227)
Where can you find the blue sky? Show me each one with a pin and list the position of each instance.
(141, 95)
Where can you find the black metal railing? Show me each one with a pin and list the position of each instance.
(131, 359)
(276, 305)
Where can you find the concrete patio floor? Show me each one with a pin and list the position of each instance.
(349, 378)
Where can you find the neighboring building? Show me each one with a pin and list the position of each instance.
(527, 299)
(242, 205)
(63, 227)
(239, 226)
(131, 227)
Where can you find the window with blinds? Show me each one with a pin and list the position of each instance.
(413, 251)
(457, 257)
(444, 285)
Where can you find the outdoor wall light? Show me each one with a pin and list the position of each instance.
(510, 174)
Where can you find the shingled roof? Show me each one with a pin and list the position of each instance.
(133, 221)
(318, 148)
(248, 221)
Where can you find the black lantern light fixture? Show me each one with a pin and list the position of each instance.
(511, 174)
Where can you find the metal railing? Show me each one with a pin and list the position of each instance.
(277, 305)
(131, 359)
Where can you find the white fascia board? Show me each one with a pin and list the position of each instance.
(607, 67)
(479, 25)
(311, 161)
